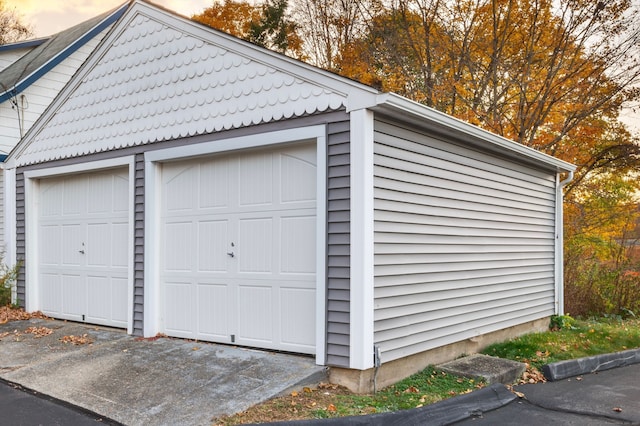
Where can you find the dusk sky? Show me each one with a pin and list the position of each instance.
(47, 17)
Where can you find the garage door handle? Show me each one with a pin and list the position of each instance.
(231, 254)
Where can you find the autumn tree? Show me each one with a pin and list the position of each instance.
(552, 75)
(329, 26)
(232, 17)
(523, 69)
(267, 24)
(12, 28)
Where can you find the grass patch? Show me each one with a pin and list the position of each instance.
(582, 338)
(327, 401)
(570, 339)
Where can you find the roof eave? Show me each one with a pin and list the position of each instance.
(394, 104)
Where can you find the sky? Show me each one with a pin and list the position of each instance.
(48, 17)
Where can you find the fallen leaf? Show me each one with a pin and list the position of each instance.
(306, 389)
(519, 394)
(39, 331)
(412, 389)
(332, 408)
(294, 393)
(77, 340)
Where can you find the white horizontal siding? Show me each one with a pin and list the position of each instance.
(3, 244)
(39, 95)
(464, 242)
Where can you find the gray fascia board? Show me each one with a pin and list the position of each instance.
(413, 111)
(24, 44)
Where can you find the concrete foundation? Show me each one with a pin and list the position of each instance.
(362, 381)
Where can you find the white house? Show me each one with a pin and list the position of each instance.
(32, 73)
(189, 183)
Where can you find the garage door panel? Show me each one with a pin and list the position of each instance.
(73, 197)
(255, 245)
(50, 199)
(49, 247)
(180, 193)
(119, 297)
(99, 298)
(51, 293)
(178, 308)
(297, 316)
(255, 180)
(119, 237)
(120, 191)
(256, 311)
(178, 246)
(98, 247)
(100, 194)
(213, 310)
(74, 295)
(297, 178)
(213, 246)
(298, 251)
(72, 245)
(214, 196)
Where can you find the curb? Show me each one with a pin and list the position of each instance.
(576, 367)
(445, 412)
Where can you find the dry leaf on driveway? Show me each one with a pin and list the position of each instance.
(39, 331)
(77, 340)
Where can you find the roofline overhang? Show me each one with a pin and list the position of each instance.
(399, 106)
(34, 42)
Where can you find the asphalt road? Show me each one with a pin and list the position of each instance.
(23, 407)
(604, 398)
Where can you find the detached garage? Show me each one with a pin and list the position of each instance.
(189, 183)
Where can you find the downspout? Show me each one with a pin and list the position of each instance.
(559, 259)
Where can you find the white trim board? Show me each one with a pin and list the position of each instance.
(31, 194)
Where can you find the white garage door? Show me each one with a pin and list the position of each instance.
(82, 247)
(238, 248)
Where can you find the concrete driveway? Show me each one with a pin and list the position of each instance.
(145, 381)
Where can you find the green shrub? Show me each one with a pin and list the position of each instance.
(8, 276)
(561, 322)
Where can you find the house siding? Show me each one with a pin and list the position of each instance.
(464, 242)
(138, 249)
(20, 240)
(38, 96)
(338, 243)
(3, 243)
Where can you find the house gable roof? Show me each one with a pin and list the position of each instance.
(49, 52)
